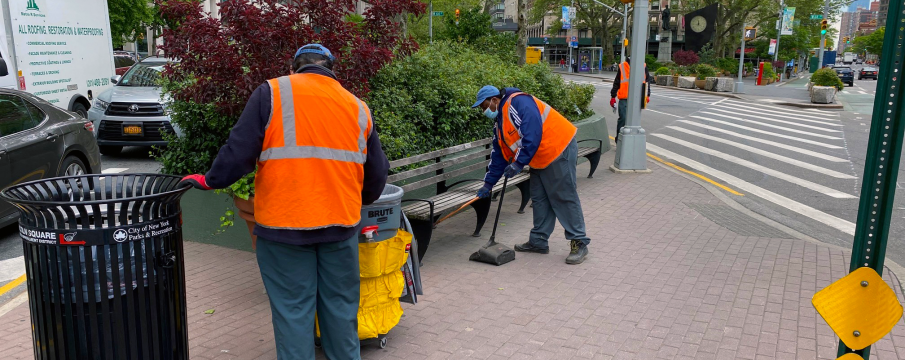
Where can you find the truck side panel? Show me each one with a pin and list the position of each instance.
(63, 48)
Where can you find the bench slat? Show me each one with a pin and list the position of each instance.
(434, 167)
(437, 153)
(442, 177)
(455, 198)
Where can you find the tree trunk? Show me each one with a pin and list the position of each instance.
(522, 31)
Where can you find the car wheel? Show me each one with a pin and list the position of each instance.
(851, 83)
(111, 150)
(73, 166)
(80, 109)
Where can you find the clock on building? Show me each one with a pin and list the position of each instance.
(698, 24)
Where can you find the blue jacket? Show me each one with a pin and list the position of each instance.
(525, 115)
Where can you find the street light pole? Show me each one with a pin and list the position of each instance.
(631, 153)
(826, 10)
(624, 31)
(740, 85)
(782, 12)
(430, 21)
(569, 37)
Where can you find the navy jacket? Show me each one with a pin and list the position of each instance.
(246, 140)
(525, 115)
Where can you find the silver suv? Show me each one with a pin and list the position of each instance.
(132, 113)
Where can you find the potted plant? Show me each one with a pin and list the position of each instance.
(826, 84)
(703, 71)
(243, 194)
(663, 76)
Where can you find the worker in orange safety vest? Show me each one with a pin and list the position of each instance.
(529, 132)
(319, 160)
(620, 91)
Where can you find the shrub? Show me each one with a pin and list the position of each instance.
(652, 64)
(728, 65)
(685, 57)
(224, 60)
(503, 45)
(423, 102)
(684, 70)
(779, 64)
(768, 71)
(706, 55)
(827, 77)
(704, 71)
(663, 71)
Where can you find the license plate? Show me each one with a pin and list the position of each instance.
(132, 130)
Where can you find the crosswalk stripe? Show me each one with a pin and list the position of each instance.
(765, 153)
(774, 134)
(794, 206)
(781, 110)
(768, 142)
(727, 110)
(113, 170)
(12, 268)
(783, 128)
(768, 171)
(792, 117)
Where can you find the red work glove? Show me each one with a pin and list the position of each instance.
(648, 99)
(195, 180)
(613, 102)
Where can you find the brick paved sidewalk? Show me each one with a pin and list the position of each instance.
(663, 281)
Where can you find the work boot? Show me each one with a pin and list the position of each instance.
(578, 254)
(527, 247)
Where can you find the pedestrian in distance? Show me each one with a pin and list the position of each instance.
(319, 160)
(562, 63)
(620, 92)
(527, 131)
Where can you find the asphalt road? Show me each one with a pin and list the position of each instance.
(799, 167)
(132, 159)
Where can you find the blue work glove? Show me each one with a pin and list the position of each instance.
(484, 192)
(512, 170)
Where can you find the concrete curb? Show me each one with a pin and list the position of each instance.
(889, 264)
(723, 94)
(813, 106)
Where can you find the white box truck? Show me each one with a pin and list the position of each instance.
(58, 50)
(848, 58)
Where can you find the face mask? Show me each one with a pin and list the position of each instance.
(490, 114)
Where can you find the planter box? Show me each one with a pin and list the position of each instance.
(686, 82)
(810, 85)
(710, 83)
(665, 80)
(823, 94)
(700, 84)
(719, 84)
(675, 80)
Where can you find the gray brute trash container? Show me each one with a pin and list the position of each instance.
(385, 213)
(104, 263)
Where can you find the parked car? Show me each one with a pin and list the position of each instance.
(132, 113)
(39, 140)
(868, 72)
(122, 63)
(845, 74)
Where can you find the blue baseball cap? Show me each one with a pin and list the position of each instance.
(315, 49)
(487, 91)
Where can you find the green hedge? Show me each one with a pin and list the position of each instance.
(827, 77)
(423, 102)
(704, 71)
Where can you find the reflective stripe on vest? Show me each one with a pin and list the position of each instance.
(291, 150)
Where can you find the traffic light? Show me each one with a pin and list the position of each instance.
(624, 42)
(457, 16)
(823, 27)
(750, 33)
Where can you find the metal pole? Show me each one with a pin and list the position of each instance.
(826, 10)
(430, 20)
(569, 37)
(740, 85)
(624, 31)
(782, 12)
(884, 153)
(631, 154)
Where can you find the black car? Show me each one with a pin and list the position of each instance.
(845, 74)
(39, 140)
(868, 72)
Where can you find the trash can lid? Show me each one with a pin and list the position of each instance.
(391, 194)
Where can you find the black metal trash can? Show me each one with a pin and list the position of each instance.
(104, 262)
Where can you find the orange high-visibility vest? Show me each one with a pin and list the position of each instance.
(557, 134)
(623, 82)
(311, 169)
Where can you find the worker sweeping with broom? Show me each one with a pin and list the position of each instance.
(527, 131)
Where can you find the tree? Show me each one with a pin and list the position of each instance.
(129, 19)
(603, 23)
(417, 24)
(473, 24)
(872, 43)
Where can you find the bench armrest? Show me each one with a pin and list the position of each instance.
(599, 142)
(430, 203)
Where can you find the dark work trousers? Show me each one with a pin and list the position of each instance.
(554, 193)
(622, 108)
(302, 278)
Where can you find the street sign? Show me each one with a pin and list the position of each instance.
(844, 306)
(438, 13)
(817, 17)
(575, 38)
(546, 40)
